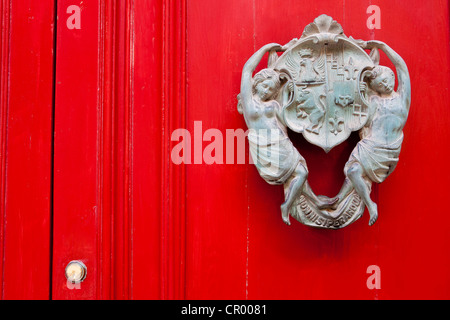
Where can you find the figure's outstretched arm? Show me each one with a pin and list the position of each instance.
(249, 68)
(404, 85)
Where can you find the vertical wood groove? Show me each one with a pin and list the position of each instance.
(4, 102)
(173, 217)
(104, 138)
(52, 148)
(130, 143)
(115, 146)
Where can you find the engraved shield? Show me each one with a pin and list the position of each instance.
(324, 69)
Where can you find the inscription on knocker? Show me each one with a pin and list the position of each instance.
(324, 86)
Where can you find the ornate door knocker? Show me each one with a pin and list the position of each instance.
(324, 86)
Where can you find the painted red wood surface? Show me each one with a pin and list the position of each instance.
(26, 78)
(77, 214)
(237, 245)
(92, 220)
(147, 228)
(105, 144)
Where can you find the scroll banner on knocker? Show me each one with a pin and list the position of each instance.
(325, 86)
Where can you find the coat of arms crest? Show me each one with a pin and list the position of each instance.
(325, 86)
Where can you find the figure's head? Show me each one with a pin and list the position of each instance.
(382, 80)
(266, 84)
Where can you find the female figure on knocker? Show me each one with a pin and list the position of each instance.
(376, 154)
(275, 157)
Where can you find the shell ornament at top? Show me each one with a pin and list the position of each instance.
(325, 86)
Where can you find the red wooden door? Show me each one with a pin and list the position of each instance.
(123, 77)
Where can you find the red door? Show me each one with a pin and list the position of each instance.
(114, 81)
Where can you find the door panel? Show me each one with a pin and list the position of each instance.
(237, 244)
(26, 78)
(108, 147)
(77, 214)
